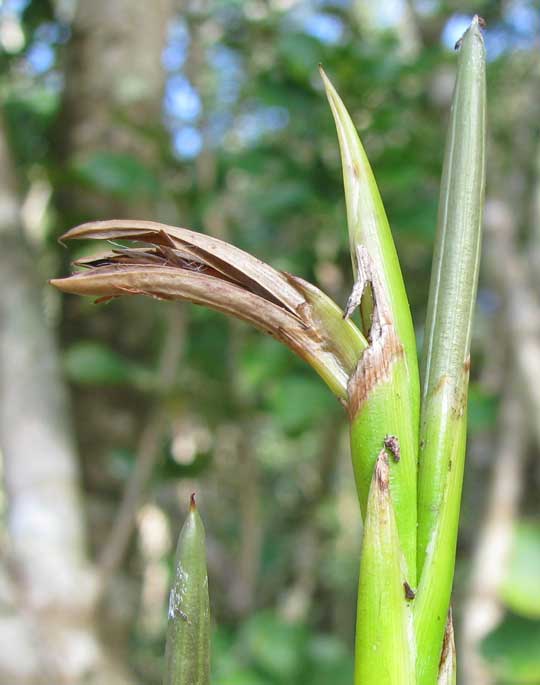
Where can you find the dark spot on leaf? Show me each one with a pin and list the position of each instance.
(409, 592)
(392, 445)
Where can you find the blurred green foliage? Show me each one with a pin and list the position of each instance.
(521, 588)
(89, 362)
(483, 409)
(268, 650)
(118, 174)
(513, 651)
(513, 647)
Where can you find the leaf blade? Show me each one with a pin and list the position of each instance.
(446, 353)
(368, 226)
(384, 393)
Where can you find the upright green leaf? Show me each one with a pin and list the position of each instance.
(385, 651)
(187, 654)
(384, 390)
(368, 227)
(446, 352)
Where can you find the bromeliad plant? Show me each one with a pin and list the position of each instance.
(407, 443)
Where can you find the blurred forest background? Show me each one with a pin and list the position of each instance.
(210, 114)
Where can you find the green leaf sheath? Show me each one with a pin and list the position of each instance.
(446, 351)
(385, 651)
(435, 586)
(382, 414)
(187, 654)
(384, 392)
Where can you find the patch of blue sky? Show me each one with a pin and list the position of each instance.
(253, 125)
(13, 6)
(387, 14)
(524, 18)
(227, 64)
(329, 4)
(182, 100)
(327, 28)
(176, 49)
(454, 28)
(426, 7)
(40, 57)
(217, 127)
(49, 32)
(498, 41)
(187, 142)
(273, 118)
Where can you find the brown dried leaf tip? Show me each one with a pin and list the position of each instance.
(482, 23)
(192, 503)
(176, 263)
(392, 445)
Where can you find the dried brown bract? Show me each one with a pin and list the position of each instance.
(179, 264)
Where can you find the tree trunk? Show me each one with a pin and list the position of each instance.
(48, 587)
(47, 584)
(112, 104)
(114, 92)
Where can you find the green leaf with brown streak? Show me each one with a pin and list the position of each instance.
(385, 650)
(384, 391)
(369, 230)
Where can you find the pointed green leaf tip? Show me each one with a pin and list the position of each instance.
(384, 638)
(446, 350)
(187, 654)
(368, 226)
(383, 393)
